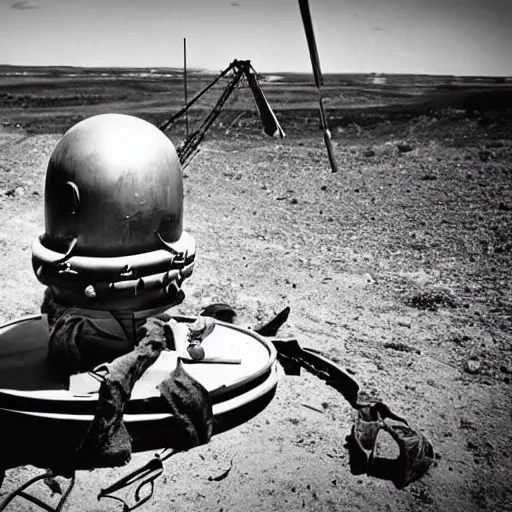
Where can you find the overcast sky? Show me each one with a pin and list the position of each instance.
(462, 37)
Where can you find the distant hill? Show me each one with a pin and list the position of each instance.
(381, 79)
(72, 71)
(52, 98)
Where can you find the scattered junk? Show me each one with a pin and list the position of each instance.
(106, 369)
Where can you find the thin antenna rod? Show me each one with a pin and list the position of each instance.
(185, 80)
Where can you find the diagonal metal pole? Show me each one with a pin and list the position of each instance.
(163, 126)
(319, 80)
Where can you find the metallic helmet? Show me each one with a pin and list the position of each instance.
(114, 216)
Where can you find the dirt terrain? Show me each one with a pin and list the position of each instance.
(398, 266)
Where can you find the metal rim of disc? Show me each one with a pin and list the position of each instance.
(224, 399)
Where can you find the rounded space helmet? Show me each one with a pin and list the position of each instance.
(114, 235)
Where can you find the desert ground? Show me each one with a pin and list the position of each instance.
(398, 267)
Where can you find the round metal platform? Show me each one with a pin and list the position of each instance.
(42, 420)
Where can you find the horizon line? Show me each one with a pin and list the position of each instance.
(210, 70)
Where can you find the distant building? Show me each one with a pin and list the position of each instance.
(377, 79)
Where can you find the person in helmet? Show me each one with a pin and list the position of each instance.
(114, 251)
